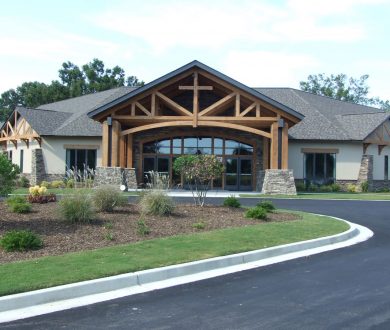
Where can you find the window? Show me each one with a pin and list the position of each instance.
(386, 167)
(80, 159)
(319, 168)
(21, 160)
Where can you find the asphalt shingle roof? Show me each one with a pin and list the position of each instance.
(69, 117)
(327, 118)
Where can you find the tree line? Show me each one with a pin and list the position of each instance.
(73, 81)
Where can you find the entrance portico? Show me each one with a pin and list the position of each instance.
(196, 110)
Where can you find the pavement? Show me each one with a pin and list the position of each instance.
(40, 302)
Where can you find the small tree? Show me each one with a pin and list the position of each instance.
(199, 171)
(8, 175)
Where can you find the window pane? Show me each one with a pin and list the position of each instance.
(218, 143)
(176, 150)
(218, 151)
(231, 165)
(81, 159)
(149, 148)
(176, 178)
(163, 147)
(190, 146)
(231, 144)
(309, 158)
(204, 142)
(330, 168)
(148, 164)
(231, 151)
(246, 149)
(176, 142)
(163, 165)
(91, 159)
(319, 167)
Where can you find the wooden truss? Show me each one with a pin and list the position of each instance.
(229, 107)
(379, 137)
(18, 129)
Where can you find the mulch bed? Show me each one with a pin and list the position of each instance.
(115, 228)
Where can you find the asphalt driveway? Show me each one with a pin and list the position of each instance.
(342, 289)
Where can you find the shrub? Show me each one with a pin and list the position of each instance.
(70, 183)
(37, 191)
(312, 187)
(21, 240)
(77, 207)
(266, 205)
(300, 186)
(335, 187)
(18, 204)
(351, 188)
(383, 190)
(364, 186)
(23, 182)
(232, 201)
(199, 225)
(8, 175)
(45, 184)
(326, 188)
(58, 184)
(142, 228)
(106, 198)
(156, 202)
(256, 212)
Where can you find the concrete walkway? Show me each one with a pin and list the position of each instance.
(63, 297)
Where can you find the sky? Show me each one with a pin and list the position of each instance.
(259, 43)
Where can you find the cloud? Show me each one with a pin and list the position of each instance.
(169, 24)
(268, 69)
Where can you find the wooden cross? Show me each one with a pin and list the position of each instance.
(196, 88)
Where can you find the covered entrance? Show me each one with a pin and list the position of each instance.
(149, 127)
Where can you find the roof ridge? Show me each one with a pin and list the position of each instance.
(362, 114)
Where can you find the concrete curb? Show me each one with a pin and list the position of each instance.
(62, 297)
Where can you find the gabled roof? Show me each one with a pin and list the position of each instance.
(187, 67)
(327, 118)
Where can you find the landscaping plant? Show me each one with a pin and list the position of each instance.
(256, 212)
(198, 172)
(8, 175)
(232, 201)
(107, 197)
(18, 204)
(21, 240)
(142, 228)
(267, 205)
(77, 207)
(156, 202)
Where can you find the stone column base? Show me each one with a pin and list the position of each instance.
(278, 182)
(115, 176)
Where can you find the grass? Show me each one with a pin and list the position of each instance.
(73, 267)
(341, 195)
(66, 191)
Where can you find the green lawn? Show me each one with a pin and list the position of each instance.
(73, 267)
(356, 196)
(66, 191)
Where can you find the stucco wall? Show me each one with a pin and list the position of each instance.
(379, 161)
(26, 154)
(54, 151)
(347, 159)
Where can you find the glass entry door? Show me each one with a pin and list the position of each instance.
(238, 174)
(158, 164)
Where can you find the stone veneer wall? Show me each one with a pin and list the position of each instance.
(115, 176)
(38, 172)
(366, 172)
(277, 182)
